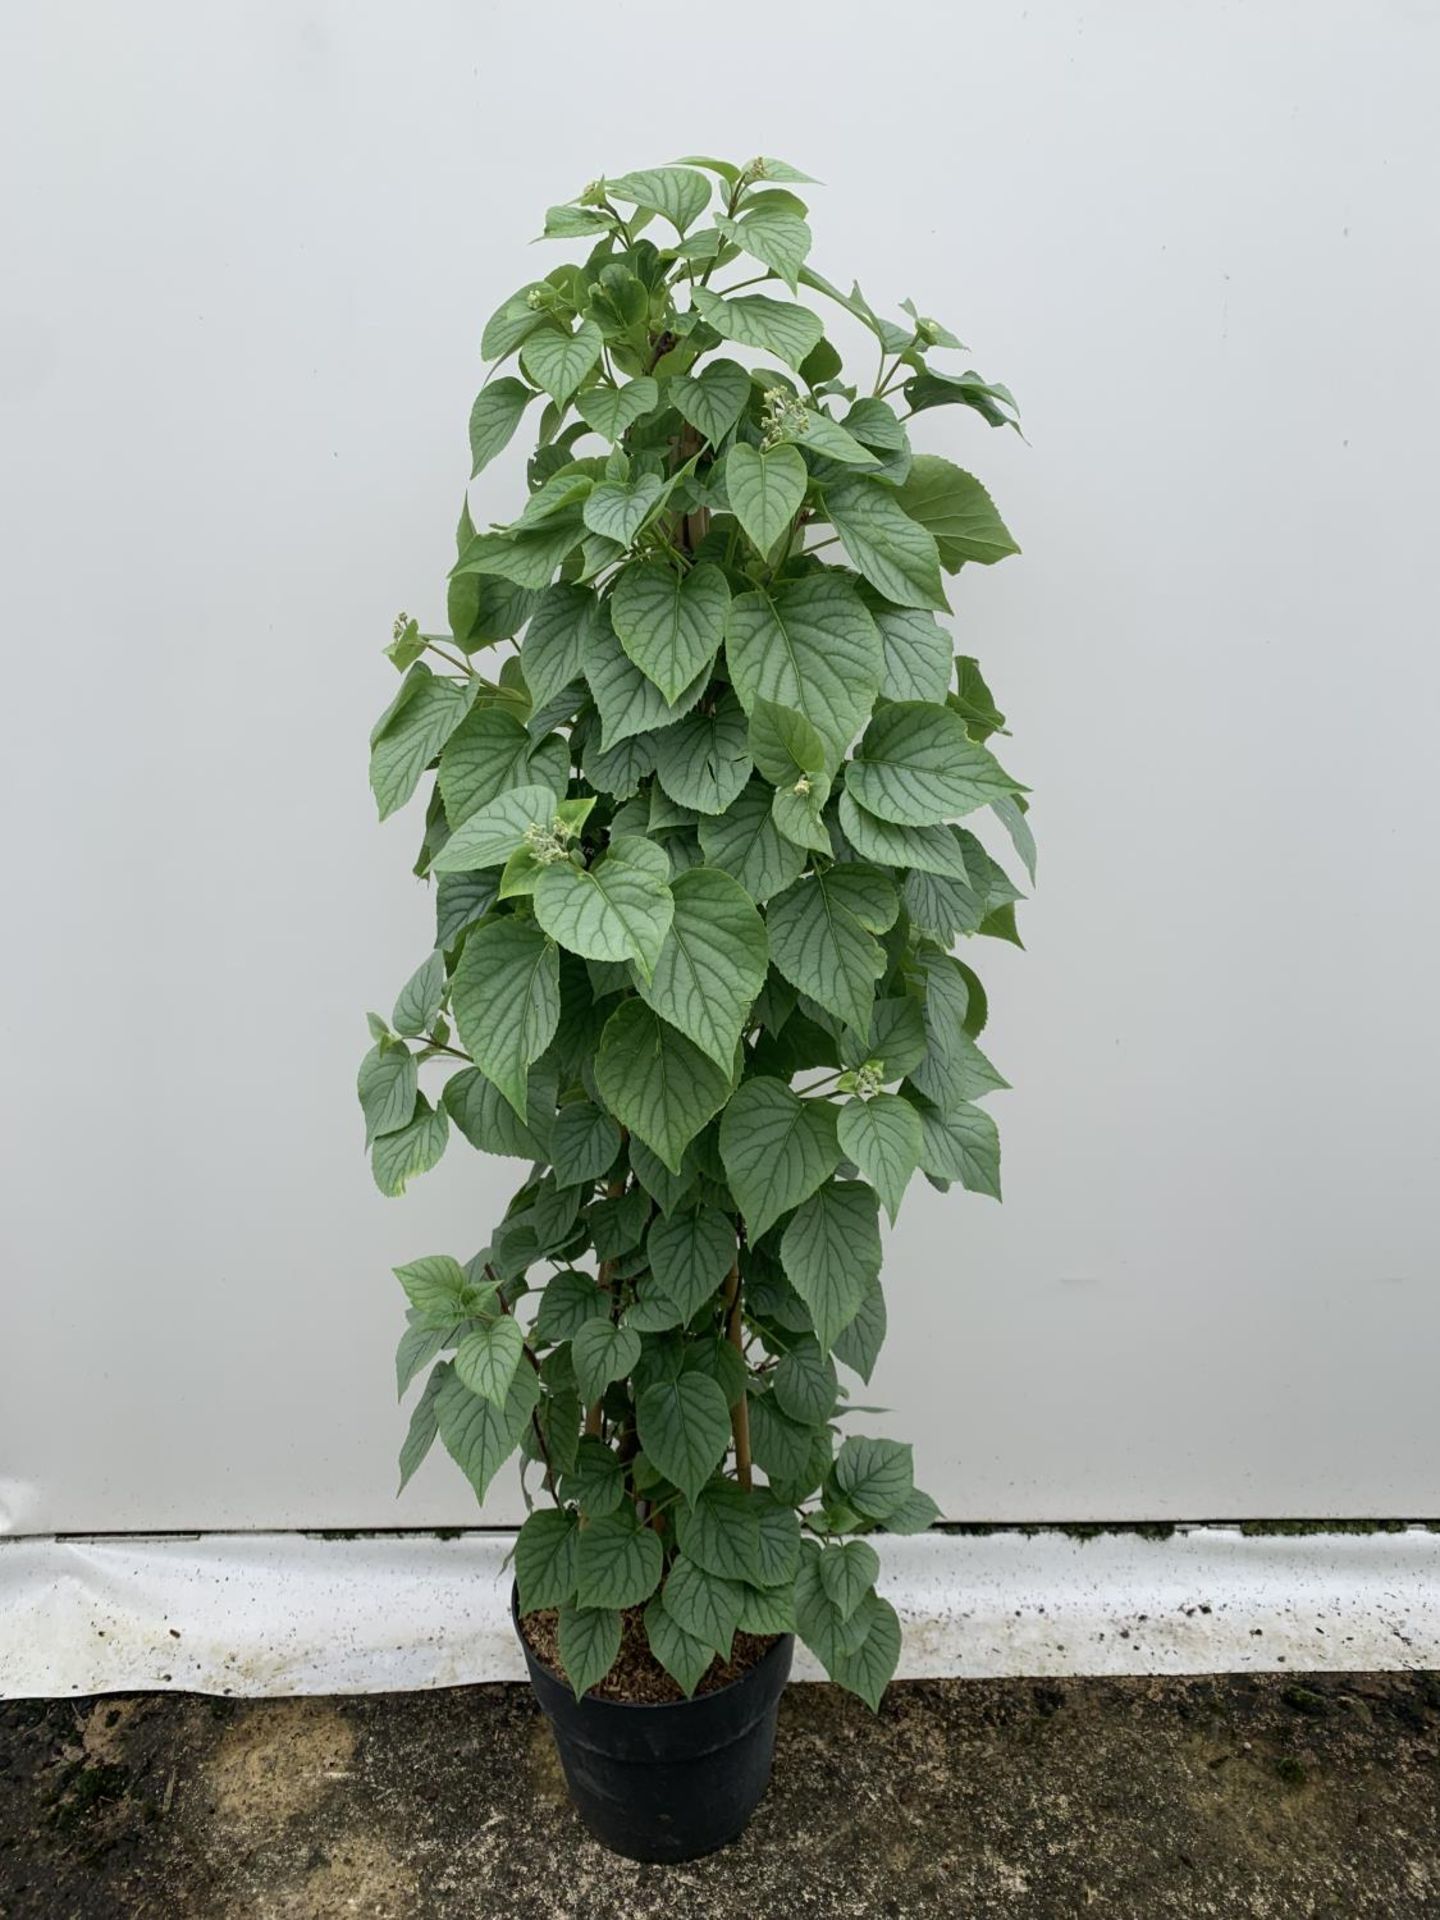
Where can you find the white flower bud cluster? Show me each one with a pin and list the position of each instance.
(548, 845)
(783, 417)
(869, 1079)
(402, 621)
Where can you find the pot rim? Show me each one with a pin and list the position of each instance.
(592, 1699)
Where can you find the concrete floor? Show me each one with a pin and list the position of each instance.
(1129, 1799)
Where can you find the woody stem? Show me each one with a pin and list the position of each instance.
(740, 1412)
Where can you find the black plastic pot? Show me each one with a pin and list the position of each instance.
(666, 1782)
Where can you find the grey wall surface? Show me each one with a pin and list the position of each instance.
(247, 253)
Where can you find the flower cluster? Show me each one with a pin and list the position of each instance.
(783, 416)
(865, 1081)
(547, 845)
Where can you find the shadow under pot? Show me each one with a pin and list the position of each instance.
(666, 1782)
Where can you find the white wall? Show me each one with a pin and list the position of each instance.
(247, 250)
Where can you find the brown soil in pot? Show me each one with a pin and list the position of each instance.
(637, 1678)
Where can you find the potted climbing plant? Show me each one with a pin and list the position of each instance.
(699, 872)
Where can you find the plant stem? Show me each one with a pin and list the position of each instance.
(693, 527)
(887, 382)
(594, 1413)
(731, 202)
(550, 1484)
(620, 222)
(740, 1412)
(662, 344)
(438, 1046)
(454, 658)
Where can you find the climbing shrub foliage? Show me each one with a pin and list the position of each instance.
(700, 865)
